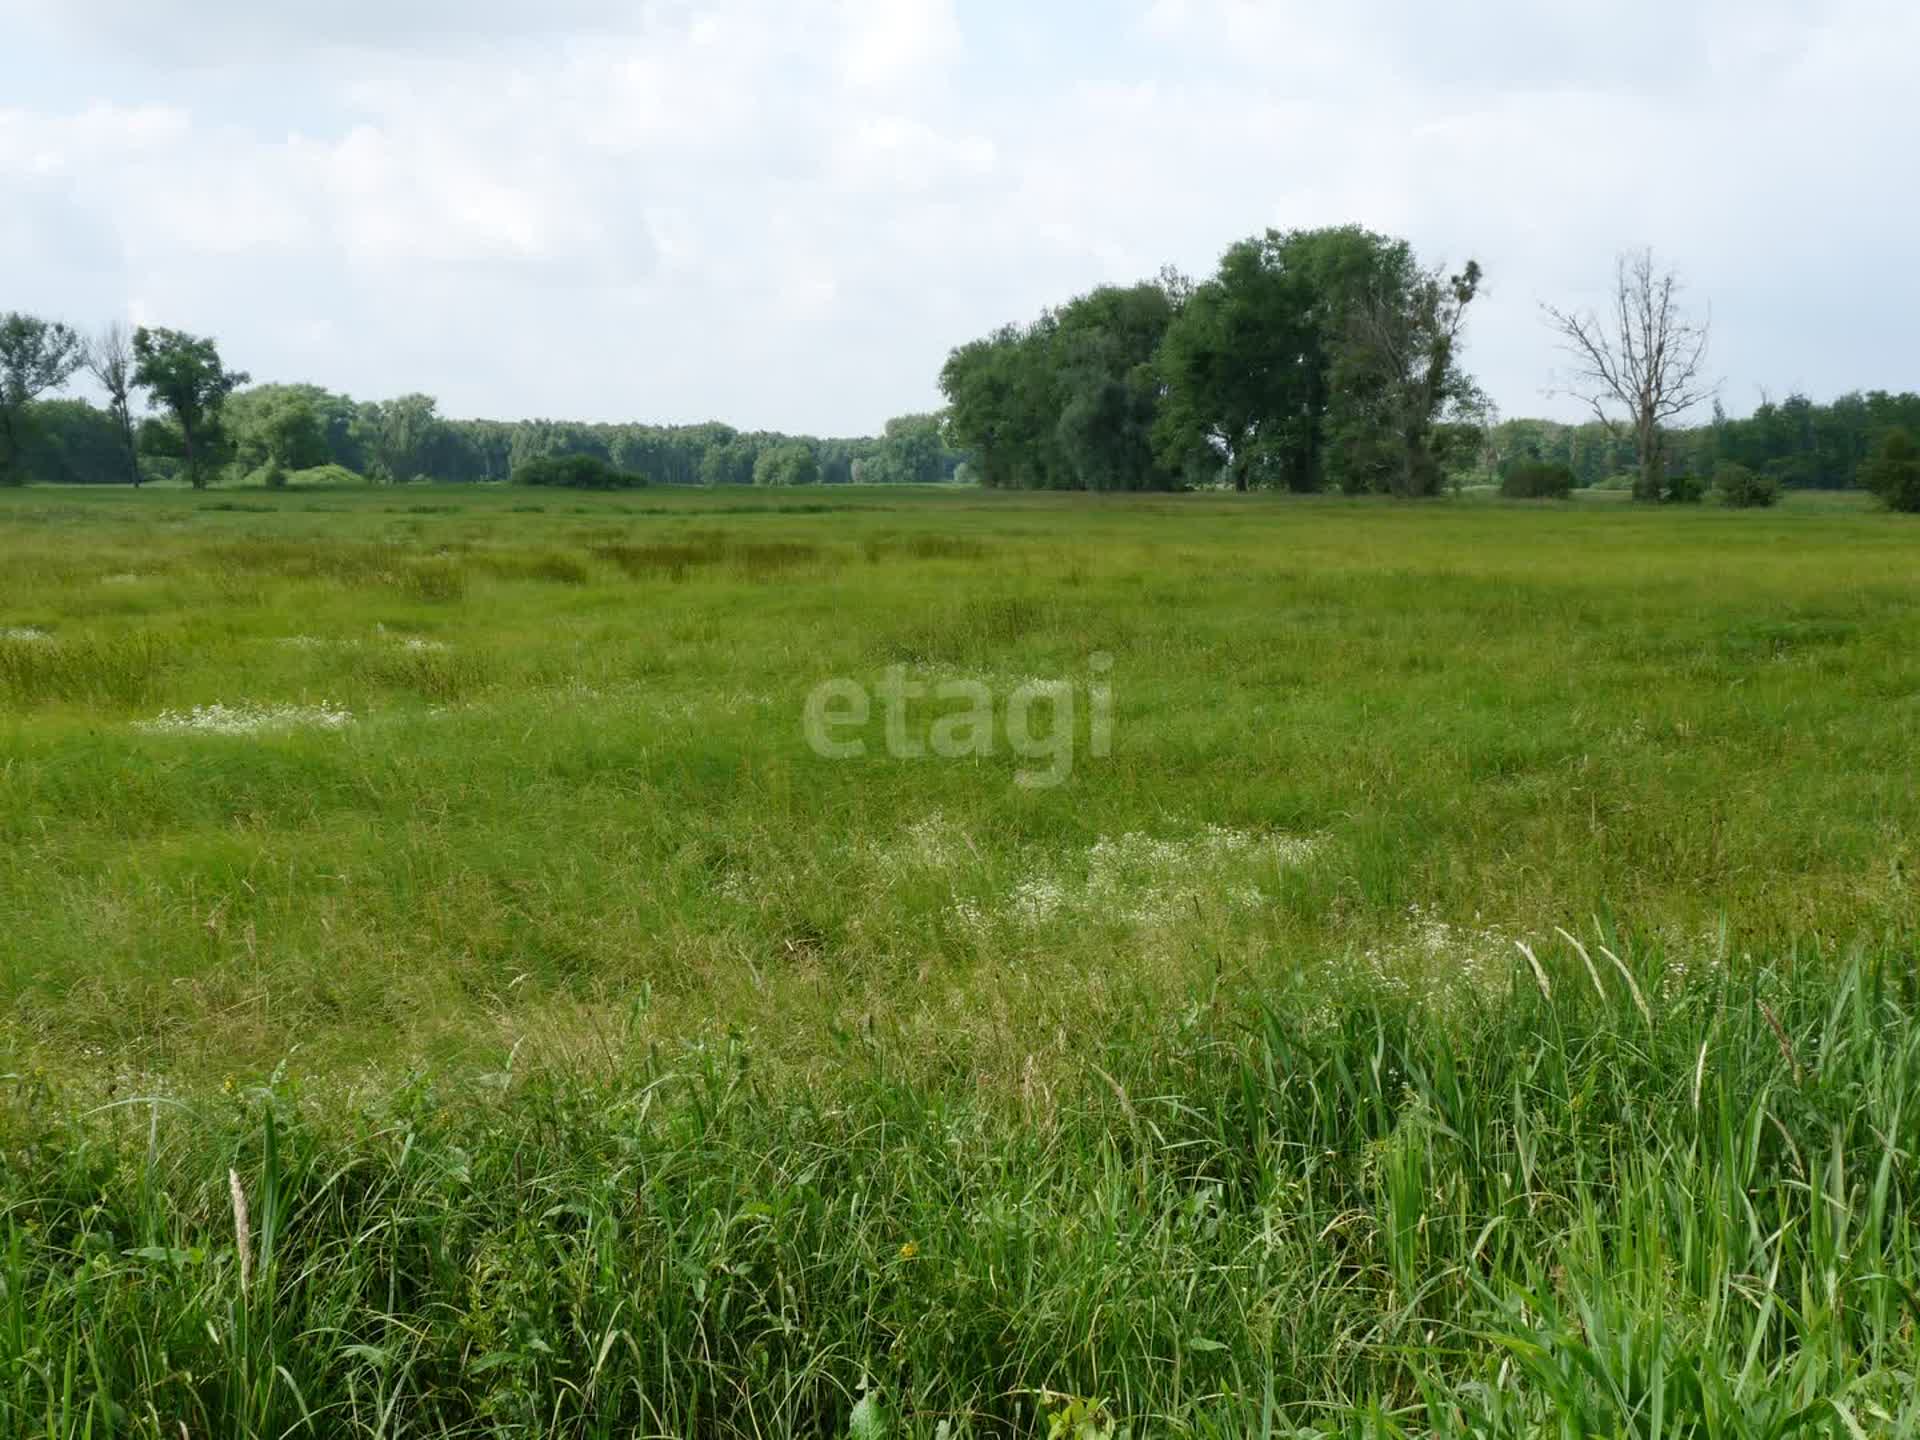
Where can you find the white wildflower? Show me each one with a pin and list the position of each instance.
(247, 719)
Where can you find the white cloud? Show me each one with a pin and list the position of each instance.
(891, 44)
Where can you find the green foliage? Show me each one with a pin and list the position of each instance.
(1894, 471)
(1801, 444)
(913, 451)
(324, 477)
(68, 442)
(577, 472)
(184, 376)
(1595, 453)
(790, 464)
(1398, 397)
(1537, 480)
(35, 356)
(1069, 402)
(1309, 357)
(1681, 490)
(281, 428)
(402, 436)
(1738, 488)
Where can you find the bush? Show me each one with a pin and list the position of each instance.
(1683, 490)
(1623, 482)
(577, 472)
(1537, 480)
(1739, 488)
(323, 477)
(1894, 472)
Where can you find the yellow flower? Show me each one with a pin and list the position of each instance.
(909, 1250)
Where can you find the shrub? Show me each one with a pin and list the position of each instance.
(323, 477)
(576, 472)
(1894, 471)
(1683, 490)
(1624, 482)
(1537, 480)
(1739, 488)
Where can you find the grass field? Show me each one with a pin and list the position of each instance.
(1474, 996)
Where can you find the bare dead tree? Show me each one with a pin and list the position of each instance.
(109, 359)
(1640, 366)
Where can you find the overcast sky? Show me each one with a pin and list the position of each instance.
(783, 213)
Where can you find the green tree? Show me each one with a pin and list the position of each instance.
(1894, 471)
(185, 378)
(1003, 406)
(731, 461)
(277, 429)
(912, 451)
(35, 356)
(401, 436)
(1397, 378)
(1239, 365)
(1249, 366)
(1107, 387)
(793, 463)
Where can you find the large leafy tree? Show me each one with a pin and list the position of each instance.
(912, 451)
(1108, 389)
(402, 435)
(793, 463)
(279, 424)
(1397, 379)
(1003, 406)
(1237, 366)
(277, 429)
(186, 380)
(35, 356)
(1068, 402)
(1249, 364)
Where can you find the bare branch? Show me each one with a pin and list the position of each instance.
(1645, 364)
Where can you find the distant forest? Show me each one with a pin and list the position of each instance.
(276, 432)
(1309, 361)
(73, 442)
(1801, 444)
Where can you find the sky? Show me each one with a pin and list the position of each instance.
(784, 213)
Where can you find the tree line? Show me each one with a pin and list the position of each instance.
(208, 425)
(1797, 442)
(1309, 360)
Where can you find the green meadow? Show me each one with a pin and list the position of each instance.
(444, 993)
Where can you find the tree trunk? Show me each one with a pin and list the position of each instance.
(1652, 484)
(194, 477)
(125, 417)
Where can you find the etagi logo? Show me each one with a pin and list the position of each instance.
(961, 718)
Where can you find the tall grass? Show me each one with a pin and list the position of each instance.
(557, 1046)
(1334, 1210)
